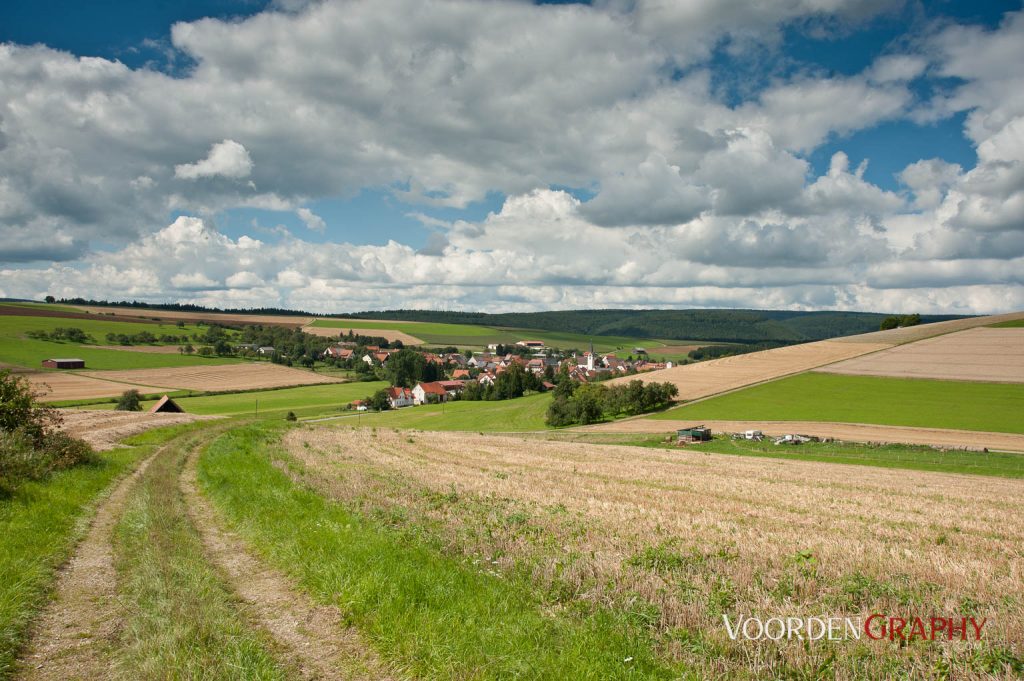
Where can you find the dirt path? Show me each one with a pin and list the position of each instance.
(313, 637)
(74, 631)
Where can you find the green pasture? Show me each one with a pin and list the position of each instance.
(521, 414)
(1012, 324)
(17, 349)
(917, 402)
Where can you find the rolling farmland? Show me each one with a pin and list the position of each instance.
(247, 376)
(980, 354)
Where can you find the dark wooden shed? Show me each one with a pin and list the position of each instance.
(165, 405)
(693, 434)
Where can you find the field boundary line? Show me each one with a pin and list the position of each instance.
(312, 637)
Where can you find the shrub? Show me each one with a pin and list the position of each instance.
(291, 416)
(129, 401)
(30, 444)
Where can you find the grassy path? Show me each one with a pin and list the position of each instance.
(313, 638)
(72, 636)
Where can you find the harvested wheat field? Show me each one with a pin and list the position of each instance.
(849, 432)
(728, 373)
(922, 331)
(389, 334)
(687, 537)
(53, 386)
(251, 376)
(980, 354)
(704, 379)
(105, 429)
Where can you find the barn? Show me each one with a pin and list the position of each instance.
(64, 363)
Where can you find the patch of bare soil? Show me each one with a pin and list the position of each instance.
(57, 385)
(314, 638)
(384, 332)
(852, 432)
(104, 429)
(243, 376)
(73, 633)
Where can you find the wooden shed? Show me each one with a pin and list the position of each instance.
(64, 363)
(165, 405)
(693, 434)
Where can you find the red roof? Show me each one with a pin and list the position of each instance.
(398, 393)
(434, 387)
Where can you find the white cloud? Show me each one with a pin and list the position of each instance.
(226, 159)
(311, 220)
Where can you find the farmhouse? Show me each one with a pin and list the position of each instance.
(400, 397)
(338, 352)
(64, 363)
(532, 344)
(266, 350)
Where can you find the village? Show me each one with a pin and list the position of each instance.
(458, 372)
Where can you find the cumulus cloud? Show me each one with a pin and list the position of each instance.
(694, 200)
(226, 159)
(311, 220)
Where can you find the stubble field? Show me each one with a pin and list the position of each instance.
(683, 538)
(247, 376)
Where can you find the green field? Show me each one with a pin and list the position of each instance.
(1013, 324)
(471, 335)
(16, 349)
(306, 401)
(868, 399)
(907, 457)
(521, 414)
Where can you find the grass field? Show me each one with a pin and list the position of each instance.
(39, 525)
(868, 399)
(522, 414)
(471, 335)
(427, 609)
(306, 401)
(1012, 324)
(16, 349)
(907, 457)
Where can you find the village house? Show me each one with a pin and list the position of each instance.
(400, 397)
(266, 350)
(338, 352)
(422, 392)
(532, 344)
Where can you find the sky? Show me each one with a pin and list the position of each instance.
(495, 156)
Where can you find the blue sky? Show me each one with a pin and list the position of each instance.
(576, 105)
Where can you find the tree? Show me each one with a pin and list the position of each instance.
(50, 299)
(19, 409)
(560, 412)
(129, 401)
(588, 403)
(379, 400)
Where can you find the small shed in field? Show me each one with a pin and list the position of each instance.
(64, 363)
(165, 405)
(693, 434)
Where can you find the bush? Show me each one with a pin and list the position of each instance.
(30, 445)
(291, 416)
(129, 401)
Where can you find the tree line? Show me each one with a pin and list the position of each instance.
(585, 403)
